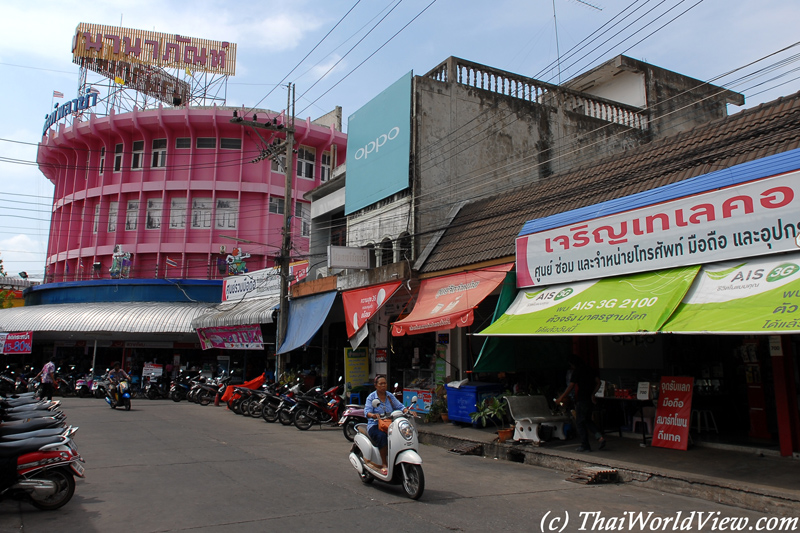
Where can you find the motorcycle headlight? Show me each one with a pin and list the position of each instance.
(406, 429)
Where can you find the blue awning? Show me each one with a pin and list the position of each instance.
(306, 316)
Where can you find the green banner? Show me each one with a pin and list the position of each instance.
(757, 295)
(638, 303)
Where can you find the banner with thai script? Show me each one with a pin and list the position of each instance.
(447, 301)
(756, 218)
(246, 337)
(361, 304)
(639, 303)
(261, 283)
(673, 414)
(18, 343)
(760, 295)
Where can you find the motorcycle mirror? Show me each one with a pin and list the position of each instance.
(396, 385)
(375, 403)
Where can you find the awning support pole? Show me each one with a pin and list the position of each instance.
(94, 358)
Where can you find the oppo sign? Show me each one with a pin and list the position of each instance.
(375, 146)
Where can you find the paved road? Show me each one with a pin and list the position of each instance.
(182, 467)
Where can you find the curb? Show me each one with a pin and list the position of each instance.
(747, 496)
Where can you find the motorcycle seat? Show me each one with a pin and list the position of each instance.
(47, 432)
(362, 428)
(20, 447)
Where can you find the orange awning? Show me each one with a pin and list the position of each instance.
(447, 301)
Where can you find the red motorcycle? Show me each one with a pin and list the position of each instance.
(318, 408)
(45, 472)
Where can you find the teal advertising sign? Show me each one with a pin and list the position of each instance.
(378, 147)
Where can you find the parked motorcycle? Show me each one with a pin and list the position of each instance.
(353, 414)
(100, 385)
(404, 463)
(83, 386)
(283, 410)
(318, 408)
(155, 389)
(180, 388)
(119, 395)
(46, 470)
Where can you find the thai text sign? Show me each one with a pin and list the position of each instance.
(356, 367)
(261, 283)
(70, 107)
(761, 295)
(165, 50)
(673, 414)
(246, 337)
(147, 79)
(152, 370)
(360, 305)
(755, 218)
(18, 343)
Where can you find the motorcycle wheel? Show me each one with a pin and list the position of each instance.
(127, 402)
(301, 419)
(99, 394)
(349, 429)
(285, 418)
(204, 398)
(255, 409)
(236, 407)
(244, 407)
(413, 480)
(175, 396)
(65, 484)
(269, 414)
(65, 390)
(152, 394)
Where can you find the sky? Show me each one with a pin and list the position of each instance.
(739, 44)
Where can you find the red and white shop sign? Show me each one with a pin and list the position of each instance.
(360, 305)
(673, 415)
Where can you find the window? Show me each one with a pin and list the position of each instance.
(102, 159)
(132, 215)
(387, 252)
(206, 142)
(276, 205)
(303, 214)
(339, 232)
(137, 159)
(118, 157)
(154, 213)
(325, 167)
(227, 213)
(177, 213)
(230, 144)
(96, 222)
(201, 213)
(113, 210)
(305, 163)
(279, 164)
(159, 153)
(183, 142)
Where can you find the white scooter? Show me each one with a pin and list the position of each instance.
(404, 463)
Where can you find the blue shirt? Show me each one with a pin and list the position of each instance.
(391, 404)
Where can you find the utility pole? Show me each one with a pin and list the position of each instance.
(272, 151)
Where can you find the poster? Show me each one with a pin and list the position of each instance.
(356, 367)
(246, 337)
(673, 413)
(18, 343)
(152, 370)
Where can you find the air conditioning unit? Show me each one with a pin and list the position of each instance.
(322, 272)
(223, 250)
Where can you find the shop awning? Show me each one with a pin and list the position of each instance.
(637, 303)
(306, 316)
(447, 301)
(757, 295)
(257, 311)
(104, 317)
(361, 304)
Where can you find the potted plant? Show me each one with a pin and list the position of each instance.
(493, 409)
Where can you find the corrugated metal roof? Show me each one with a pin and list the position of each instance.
(258, 311)
(112, 317)
(487, 228)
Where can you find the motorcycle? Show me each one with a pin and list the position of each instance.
(100, 386)
(155, 389)
(119, 394)
(318, 408)
(404, 465)
(353, 414)
(180, 388)
(83, 386)
(281, 407)
(45, 471)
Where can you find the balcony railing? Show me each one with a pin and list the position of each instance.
(456, 70)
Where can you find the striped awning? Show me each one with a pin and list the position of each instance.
(104, 317)
(240, 313)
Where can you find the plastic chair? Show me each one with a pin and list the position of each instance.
(355, 398)
(647, 418)
(703, 420)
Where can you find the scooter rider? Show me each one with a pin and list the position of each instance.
(388, 403)
(115, 376)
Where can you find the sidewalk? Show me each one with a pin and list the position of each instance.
(731, 475)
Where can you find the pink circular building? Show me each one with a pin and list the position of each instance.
(175, 192)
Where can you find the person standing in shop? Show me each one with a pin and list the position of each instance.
(585, 383)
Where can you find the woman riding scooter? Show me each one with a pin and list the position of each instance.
(388, 403)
